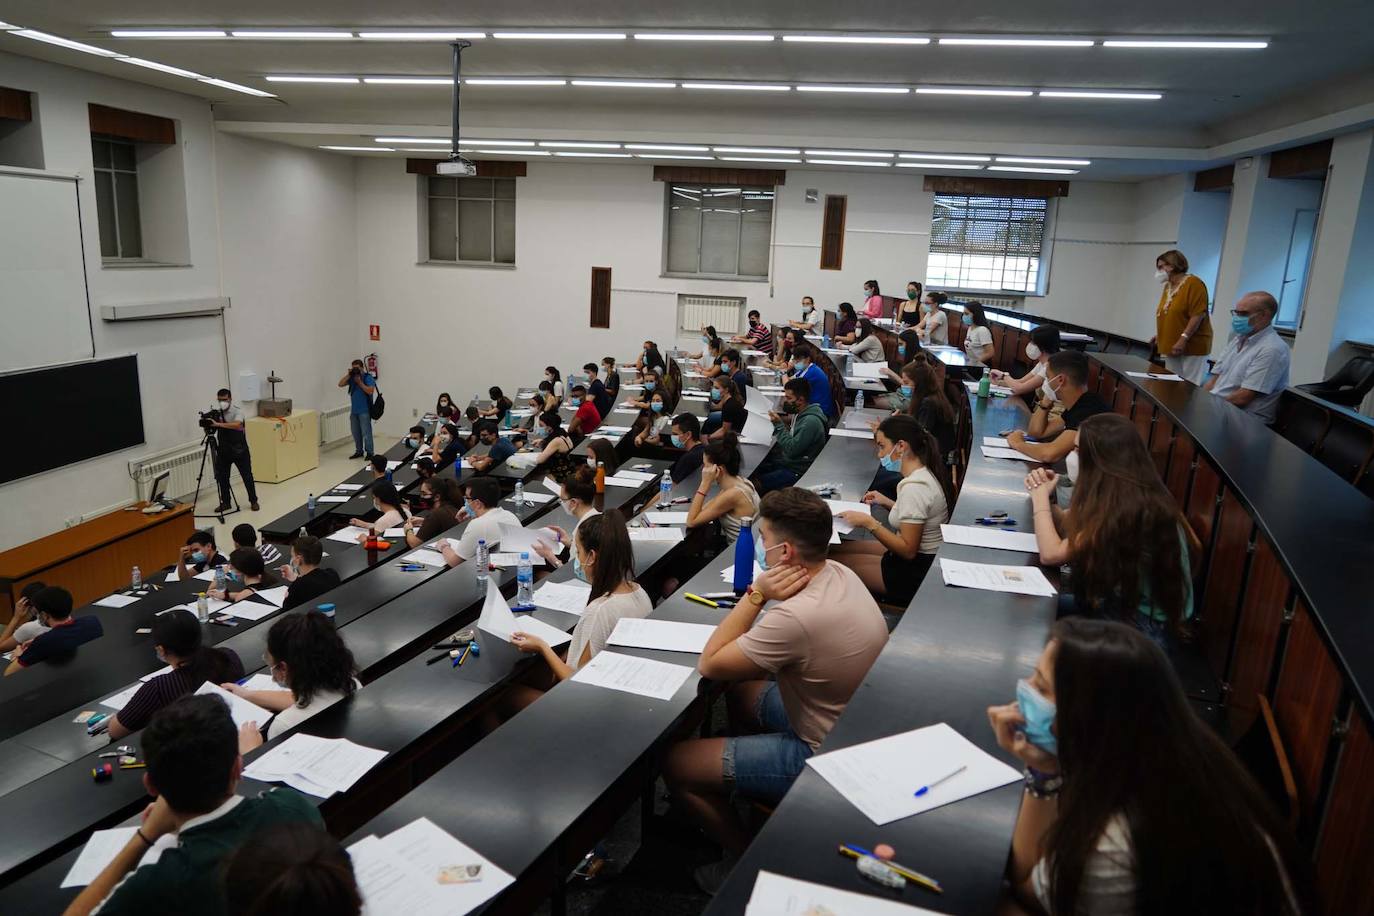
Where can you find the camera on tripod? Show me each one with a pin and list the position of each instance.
(208, 419)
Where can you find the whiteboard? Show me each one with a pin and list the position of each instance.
(44, 310)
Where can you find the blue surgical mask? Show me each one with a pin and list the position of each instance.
(411, 442)
(649, 385)
(232, 576)
(724, 365)
(715, 394)
(1039, 715)
(198, 556)
(889, 463)
(906, 390)
(467, 506)
(901, 349)
(801, 365)
(577, 568)
(656, 406)
(705, 340)
(1240, 324)
(761, 552)
(576, 402)
(967, 319)
(676, 439)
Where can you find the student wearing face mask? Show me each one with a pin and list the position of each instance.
(444, 408)
(198, 555)
(450, 444)
(894, 563)
(62, 632)
(735, 498)
(711, 357)
(653, 384)
(658, 428)
(23, 626)
(873, 300)
(759, 336)
(577, 497)
(847, 325)
(787, 343)
(612, 380)
(1067, 376)
(1183, 329)
(653, 359)
(597, 391)
(685, 434)
(1127, 791)
(553, 444)
(448, 502)
(555, 380)
(177, 640)
(817, 642)
(710, 343)
(810, 315)
(482, 507)
(726, 398)
(908, 351)
(867, 348)
(978, 348)
(243, 576)
(232, 451)
(415, 441)
(910, 313)
(1128, 543)
(732, 366)
(499, 447)
(1252, 371)
(818, 383)
(307, 657)
(392, 511)
(308, 580)
(799, 434)
(586, 418)
(1044, 343)
(934, 324)
(500, 405)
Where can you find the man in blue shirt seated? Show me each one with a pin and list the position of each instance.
(361, 386)
(1253, 369)
(804, 358)
(499, 447)
(65, 632)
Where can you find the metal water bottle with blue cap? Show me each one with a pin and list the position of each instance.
(744, 556)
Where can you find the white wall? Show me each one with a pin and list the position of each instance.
(182, 361)
(1202, 232)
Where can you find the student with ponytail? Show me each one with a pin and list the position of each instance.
(735, 499)
(291, 869)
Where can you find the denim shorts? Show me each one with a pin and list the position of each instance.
(763, 767)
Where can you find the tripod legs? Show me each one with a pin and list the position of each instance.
(209, 453)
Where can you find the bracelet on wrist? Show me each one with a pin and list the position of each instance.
(1043, 785)
(143, 836)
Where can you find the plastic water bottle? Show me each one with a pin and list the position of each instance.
(825, 341)
(520, 493)
(524, 581)
(202, 607)
(219, 578)
(665, 490)
(483, 559)
(744, 556)
(301, 533)
(859, 401)
(136, 578)
(506, 420)
(309, 506)
(327, 610)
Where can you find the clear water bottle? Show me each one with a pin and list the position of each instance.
(136, 578)
(744, 556)
(524, 581)
(665, 489)
(483, 559)
(309, 506)
(301, 533)
(219, 578)
(520, 493)
(825, 341)
(202, 607)
(859, 401)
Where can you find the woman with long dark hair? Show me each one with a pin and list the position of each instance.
(1123, 534)
(934, 325)
(555, 379)
(1133, 805)
(444, 408)
(736, 499)
(867, 347)
(978, 346)
(894, 563)
(847, 325)
(307, 658)
(910, 313)
(873, 300)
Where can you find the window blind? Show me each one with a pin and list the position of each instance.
(983, 242)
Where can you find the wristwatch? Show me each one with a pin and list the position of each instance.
(1041, 405)
(755, 596)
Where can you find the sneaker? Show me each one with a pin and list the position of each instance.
(356, 455)
(710, 877)
(590, 866)
(253, 506)
(221, 508)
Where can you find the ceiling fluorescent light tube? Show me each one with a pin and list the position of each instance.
(1021, 42)
(511, 152)
(163, 68)
(858, 39)
(1093, 94)
(409, 80)
(947, 157)
(846, 152)
(443, 140)
(1200, 44)
(747, 159)
(556, 36)
(1035, 160)
(1039, 171)
(627, 84)
(577, 144)
(939, 165)
(65, 43)
(701, 36)
(513, 81)
(668, 147)
(889, 90)
(866, 162)
(945, 90)
(763, 150)
(743, 87)
(597, 155)
(420, 36)
(167, 33)
(671, 156)
(359, 149)
(312, 79)
(238, 87)
(288, 35)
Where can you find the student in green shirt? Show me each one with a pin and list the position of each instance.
(196, 822)
(796, 444)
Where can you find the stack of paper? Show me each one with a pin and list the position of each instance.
(511, 559)
(332, 499)
(273, 596)
(516, 540)
(631, 674)
(252, 610)
(537, 499)
(668, 635)
(852, 433)
(240, 709)
(348, 487)
(666, 518)
(394, 533)
(776, 895)
(420, 870)
(101, 849)
(496, 618)
(636, 475)
(1019, 580)
(261, 681)
(316, 766)
(215, 605)
(868, 370)
(881, 777)
(669, 535)
(116, 601)
(427, 556)
(989, 536)
(619, 480)
(1009, 453)
(347, 535)
(568, 597)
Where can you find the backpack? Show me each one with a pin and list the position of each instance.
(378, 405)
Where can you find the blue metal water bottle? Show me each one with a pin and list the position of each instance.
(744, 556)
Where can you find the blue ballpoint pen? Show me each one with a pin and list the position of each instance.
(950, 775)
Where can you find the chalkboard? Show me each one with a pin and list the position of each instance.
(69, 413)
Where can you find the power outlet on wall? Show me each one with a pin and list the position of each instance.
(414, 411)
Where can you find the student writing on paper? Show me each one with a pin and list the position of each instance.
(577, 496)
(500, 405)
(735, 498)
(392, 511)
(446, 499)
(193, 767)
(243, 576)
(197, 555)
(63, 635)
(898, 397)
(893, 565)
(728, 400)
(483, 507)
(1128, 543)
(24, 625)
(603, 557)
(307, 657)
(246, 535)
(818, 641)
(1067, 378)
(1044, 343)
(799, 434)
(867, 347)
(291, 868)
(307, 579)
(1132, 803)
(177, 641)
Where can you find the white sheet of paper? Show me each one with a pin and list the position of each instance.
(551, 485)
(388, 883)
(1019, 580)
(350, 487)
(636, 475)
(116, 601)
(666, 518)
(568, 597)
(993, 389)
(759, 406)
(394, 533)
(331, 764)
(777, 895)
(121, 699)
(989, 536)
(618, 481)
(668, 635)
(537, 499)
(852, 433)
(631, 674)
(868, 370)
(100, 851)
(514, 540)
(1011, 453)
(332, 499)
(429, 850)
(347, 535)
(1157, 376)
(509, 559)
(670, 535)
(261, 681)
(240, 709)
(252, 610)
(274, 596)
(536, 627)
(165, 669)
(771, 389)
(728, 573)
(840, 505)
(498, 620)
(995, 441)
(607, 428)
(426, 556)
(207, 575)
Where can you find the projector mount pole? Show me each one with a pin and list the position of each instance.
(458, 47)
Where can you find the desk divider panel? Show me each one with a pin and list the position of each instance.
(1305, 699)
(1346, 845)
(1257, 632)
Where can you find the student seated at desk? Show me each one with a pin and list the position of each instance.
(735, 501)
(23, 626)
(246, 535)
(380, 468)
(847, 327)
(500, 405)
(709, 360)
(415, 440)
(727, 399)
(307, 657)
(873, 300)
(387, 501)
(931, 406)
(893, 565)
(1132, 803)
(586, 418)
(603, 557)
(659, 423)
(818, 640)
(596, 390)
(1128, 543)
(483, 507)
(810, 316)
(759, 336)
(653, 359)
(934, 324)
(197, 555)
(291, 868)
(710, 344)
(653, 382)
(196, 822)
(555, 380)
(1044, 343)
(909, 314)
(499, 447)
(799, 434)
(685, 434)
(307, 579)
(244, 574)
(867, 348)
(447, 503)
(444, 408)
(449, 444)
(732, 366)
(178, 641)
(602, 452)
(978, 348)
(543, 398)
(1067, 377)
(612, 378)
(577, 496)
(805, 367)
(63, 633)
(781, 360)
(553, 444)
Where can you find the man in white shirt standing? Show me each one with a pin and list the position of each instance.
(482, 505)
(1253, 369)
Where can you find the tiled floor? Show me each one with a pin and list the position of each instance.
(276, 499)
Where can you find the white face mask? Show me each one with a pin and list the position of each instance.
(1071, 463)
(1161, 276)
(223, 405)
(1032, 351)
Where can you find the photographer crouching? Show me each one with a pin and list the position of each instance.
(227, 421)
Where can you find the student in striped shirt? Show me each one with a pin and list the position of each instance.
(759, 336)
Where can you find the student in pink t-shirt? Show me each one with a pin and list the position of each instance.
(818, 640)
(873, 300)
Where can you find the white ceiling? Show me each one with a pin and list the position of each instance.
(1315, 48)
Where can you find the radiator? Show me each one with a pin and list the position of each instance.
(724, 313)
(334, 425)
(181, 462)
(1001, 302)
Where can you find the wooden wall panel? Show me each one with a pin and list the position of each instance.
(1106, 385)
(1225, 576)
(996, 187)
(1218, 179)
(1305, 699)
(1162, 435)
(601, 297)
(1257, 632)
(132, 125)
(1309, 161)
(832, 231)
(1143, 416)
(15, 105)
(1202, 491)
(706, 175)
(1346, 847)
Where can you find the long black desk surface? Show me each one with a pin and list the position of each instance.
(320, 519)
(954, 653)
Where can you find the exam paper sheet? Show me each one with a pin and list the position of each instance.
(240, 709)
(568, 597)
(631, 674)
(1019, 580)
(116, 601)
(778, 895)
(990, 451)
(667, 635)
(989, 536)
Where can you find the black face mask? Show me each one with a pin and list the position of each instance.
(790, 407)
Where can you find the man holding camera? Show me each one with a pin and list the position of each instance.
(227, 421)
(360, 385)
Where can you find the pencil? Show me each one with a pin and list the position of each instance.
(855, 852)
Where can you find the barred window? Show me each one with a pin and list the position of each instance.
(989, 243)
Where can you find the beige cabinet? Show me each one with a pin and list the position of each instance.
(283, 447)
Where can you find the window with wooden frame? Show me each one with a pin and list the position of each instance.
(832, 231)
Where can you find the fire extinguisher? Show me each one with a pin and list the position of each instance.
(370, 363)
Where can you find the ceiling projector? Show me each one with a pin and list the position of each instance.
(456, 166)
